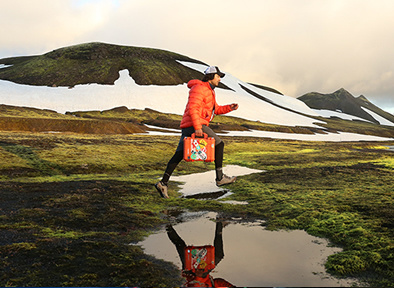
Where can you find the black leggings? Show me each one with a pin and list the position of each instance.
(178, 156)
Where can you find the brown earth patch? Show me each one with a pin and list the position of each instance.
(65, 125)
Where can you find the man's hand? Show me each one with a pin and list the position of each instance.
(199, 133)
(234, 106)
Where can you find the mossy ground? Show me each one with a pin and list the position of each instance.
(72, 204)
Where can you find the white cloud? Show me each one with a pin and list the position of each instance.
(39, 26)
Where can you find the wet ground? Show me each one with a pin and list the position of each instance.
(253, 256)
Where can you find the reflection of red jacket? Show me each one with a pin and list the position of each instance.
(207, 281)
(200, 106)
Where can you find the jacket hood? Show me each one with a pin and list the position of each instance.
(195, 82)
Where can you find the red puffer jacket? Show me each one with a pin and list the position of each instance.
(201, 105)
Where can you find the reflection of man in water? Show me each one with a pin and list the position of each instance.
(200, 277)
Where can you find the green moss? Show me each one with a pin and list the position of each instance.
(22, 246)
(388, 162)
(48, 232)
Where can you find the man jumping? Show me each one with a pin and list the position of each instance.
(200, 110)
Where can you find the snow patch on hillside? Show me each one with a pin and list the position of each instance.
(380, 119)
(4, 66)
(328, 137)
(167, 99)
(330, 113)
(125, 92)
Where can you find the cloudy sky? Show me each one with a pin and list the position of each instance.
(295, 46)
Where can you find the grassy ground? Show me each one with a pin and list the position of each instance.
(71, 204)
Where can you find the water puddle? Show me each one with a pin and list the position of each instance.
(245, 253)
(203, 185)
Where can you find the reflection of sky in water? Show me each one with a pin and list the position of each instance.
(253, 256)
(205, 182)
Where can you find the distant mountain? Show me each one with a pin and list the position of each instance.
(344, 102)
(364, 102)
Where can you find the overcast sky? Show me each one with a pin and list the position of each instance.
(295, 46)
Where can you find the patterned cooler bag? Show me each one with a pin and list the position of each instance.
(199, 149)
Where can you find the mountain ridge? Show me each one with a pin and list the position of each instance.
(344, 102)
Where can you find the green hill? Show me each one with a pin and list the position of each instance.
(98, 63)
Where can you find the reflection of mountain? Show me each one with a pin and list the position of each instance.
(104, 76)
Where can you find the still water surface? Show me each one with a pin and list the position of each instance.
(253, 256)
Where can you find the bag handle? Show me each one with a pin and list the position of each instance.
(205, 136)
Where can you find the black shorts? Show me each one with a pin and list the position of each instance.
(187, 132)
